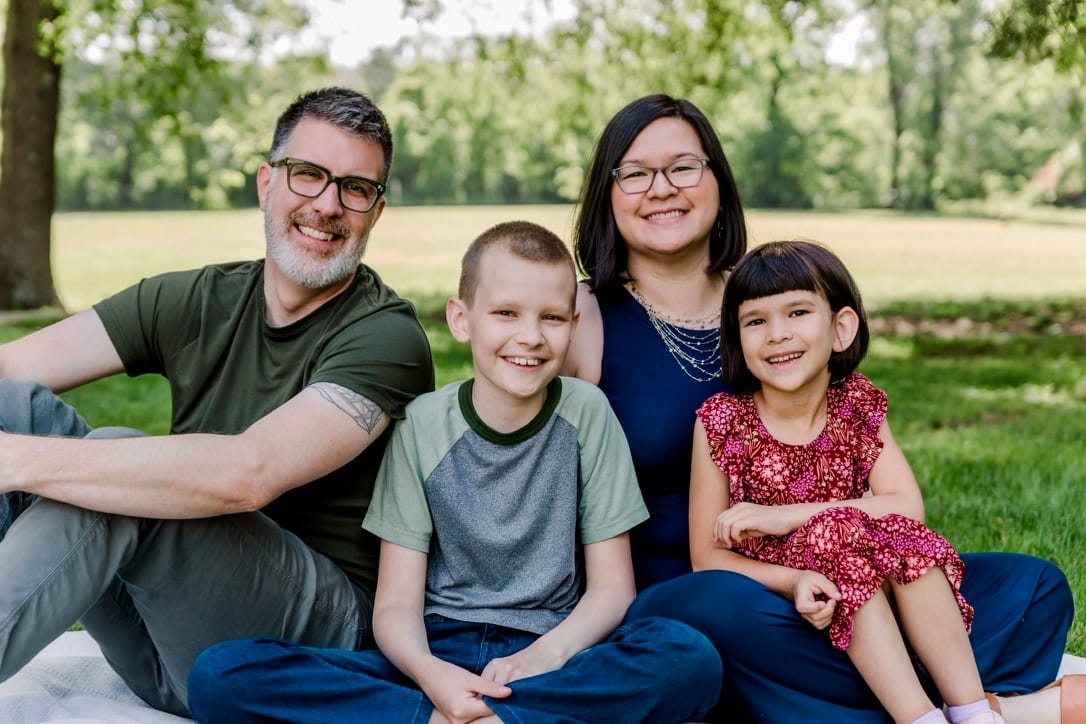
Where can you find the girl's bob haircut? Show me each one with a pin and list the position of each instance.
(786, 266)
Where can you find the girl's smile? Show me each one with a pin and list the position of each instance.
(787, 339)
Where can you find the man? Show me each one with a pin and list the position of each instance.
(285, 374)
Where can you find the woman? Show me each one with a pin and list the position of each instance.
(659, 225)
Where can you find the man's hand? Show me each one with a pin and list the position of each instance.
(815, 597)
(457, 693)
(748, 520)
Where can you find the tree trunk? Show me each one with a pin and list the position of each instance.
(895, 90)
(30, 104)
(929, 153)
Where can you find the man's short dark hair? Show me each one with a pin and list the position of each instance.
(346, 109)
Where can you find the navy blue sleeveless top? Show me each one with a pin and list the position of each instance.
(655, 402)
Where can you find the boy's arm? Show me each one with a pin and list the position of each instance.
(401, 635)
(608, 593)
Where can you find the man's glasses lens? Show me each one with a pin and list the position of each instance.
(681, 174)
(310, 180)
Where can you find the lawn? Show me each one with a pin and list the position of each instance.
(980, 337)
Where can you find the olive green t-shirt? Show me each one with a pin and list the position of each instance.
(204, 330)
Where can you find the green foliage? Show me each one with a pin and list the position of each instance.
(180, 119)
(1042, 29)
(165, 102)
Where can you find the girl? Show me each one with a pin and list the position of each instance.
(791, 458)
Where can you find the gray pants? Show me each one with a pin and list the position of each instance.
(154, 593)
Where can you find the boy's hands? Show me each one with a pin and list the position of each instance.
(815, 597)
(457, 693)
(749, 520)
(524, 663)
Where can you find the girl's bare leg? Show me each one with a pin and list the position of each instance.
(933, 625)
(878, 653)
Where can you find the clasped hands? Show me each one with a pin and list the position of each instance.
(814, 595)
(458, 694)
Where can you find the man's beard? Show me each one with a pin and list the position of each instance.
(310, 270)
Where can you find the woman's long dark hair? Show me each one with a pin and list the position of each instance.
(599, 250)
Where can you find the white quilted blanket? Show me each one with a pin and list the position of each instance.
(70, 682)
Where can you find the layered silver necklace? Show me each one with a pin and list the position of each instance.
(696, 353)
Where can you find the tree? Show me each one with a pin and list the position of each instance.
(1053, 30)
(166, 48)
(1042, 29)
(29, 110)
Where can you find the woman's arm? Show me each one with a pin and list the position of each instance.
(585, 354)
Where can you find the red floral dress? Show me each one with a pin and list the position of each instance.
(855, 551)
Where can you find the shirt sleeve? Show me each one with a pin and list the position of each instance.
(385, 357)
(610, 501)
(398, 511)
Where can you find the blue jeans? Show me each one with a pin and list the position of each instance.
(654, 670)
(778, 668)
(153, 593)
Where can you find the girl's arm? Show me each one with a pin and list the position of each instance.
(893, 485)
(813, 594)
(708, 497)
(608, 593)
(893, 490)
(401, 635)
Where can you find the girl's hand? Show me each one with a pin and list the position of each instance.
(748, 520)
(815, 597)
(458, 694)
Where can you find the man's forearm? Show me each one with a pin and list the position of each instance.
(195, 475)
(178, 476)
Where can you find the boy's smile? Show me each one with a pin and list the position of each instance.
(519, 323)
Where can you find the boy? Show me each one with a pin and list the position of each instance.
(491, 492)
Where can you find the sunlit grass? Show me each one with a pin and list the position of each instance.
(417, 249)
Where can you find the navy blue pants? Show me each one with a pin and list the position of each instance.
(779, 668)
(652, 670)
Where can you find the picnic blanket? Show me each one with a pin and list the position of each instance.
(69, 682)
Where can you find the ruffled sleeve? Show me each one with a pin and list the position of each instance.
(723, 419)
(864, 406)
(715, 415)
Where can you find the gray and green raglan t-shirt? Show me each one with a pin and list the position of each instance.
(205, 331)
(503, 516)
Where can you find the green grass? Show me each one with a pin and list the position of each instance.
(992, 415)
(993, 429)
(417, 249)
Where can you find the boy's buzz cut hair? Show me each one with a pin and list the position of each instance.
(524, 240)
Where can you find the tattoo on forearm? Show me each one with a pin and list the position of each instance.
(365, 413)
